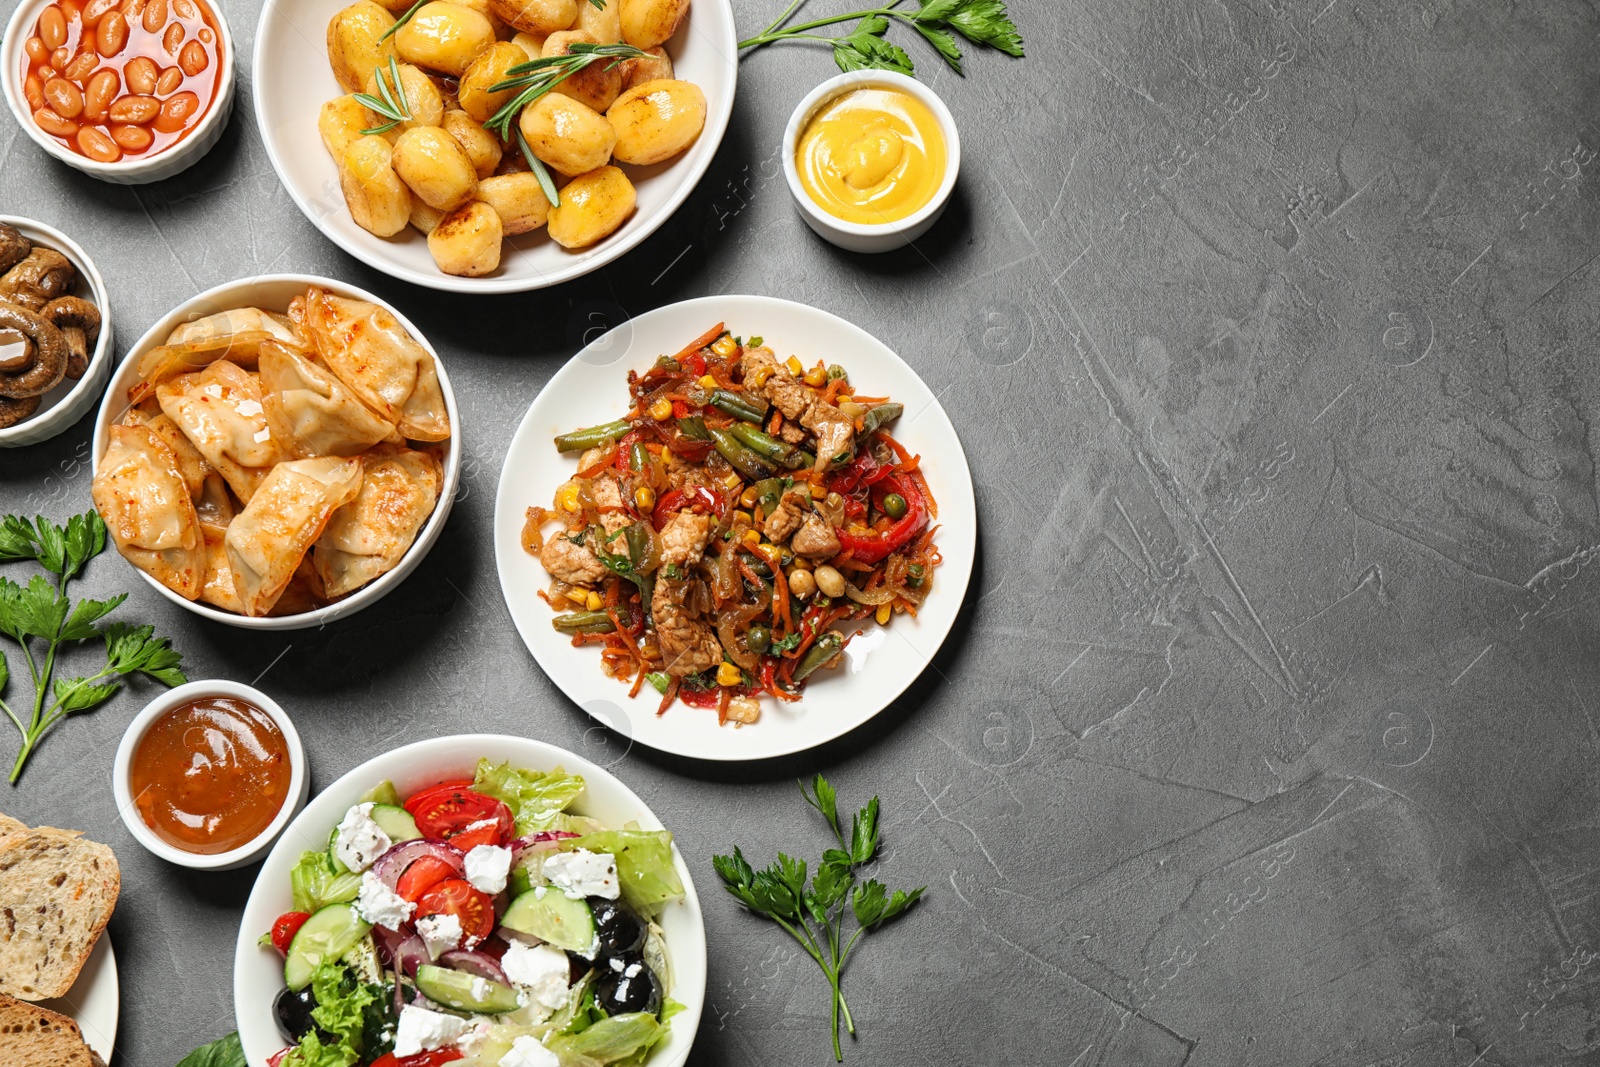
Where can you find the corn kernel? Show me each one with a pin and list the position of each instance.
(593, 601)
(801, 564)
(579, 597)
(751, 537)
(794, 365)
(749, 497)
(661, 410)
(644, 497)
(758, 377)
(728, 674)
(883, 613)
(724, 346)
(770, 552)
(818, 491)
(567, 499)
(816, 377)
(844, 398)
(709, 382)
(742, 516)
(733, 481)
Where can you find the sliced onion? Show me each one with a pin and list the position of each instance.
(861, 596)
(480, 964)
(543, 841)
(405, 951)
(392, 864)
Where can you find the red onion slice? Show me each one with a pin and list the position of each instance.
(543, 841)
(393, 863)
(401, 949)
(479, 964)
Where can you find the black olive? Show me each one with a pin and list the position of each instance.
(621, 931)
(634, 987)
(294, 1013)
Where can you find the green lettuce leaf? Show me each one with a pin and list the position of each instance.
(342, 1002)
(382, 793)
(536, 799)
(644, 864)
(311, 1052)
(314, 886)
(615, 1039)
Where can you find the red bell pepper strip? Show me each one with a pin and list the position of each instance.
(870, 547)
(698, 497)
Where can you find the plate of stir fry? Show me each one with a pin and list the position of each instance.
(735, 527)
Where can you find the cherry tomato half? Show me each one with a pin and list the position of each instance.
(285, 926)
(449, 814)
(421, 876)
(456, 896)
(421, 1059)
(416, 799)
(278, 1057)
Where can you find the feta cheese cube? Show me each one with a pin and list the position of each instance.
(541, 970)
(380, 905)
(440, 933)
(581, 873)
(527, 1052)
(422, 1030)
(487, 867)
(360, 841)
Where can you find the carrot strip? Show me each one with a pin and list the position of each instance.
(908, 462)
(921, 483)
(672, 690)
(831, 393)
(700, 342)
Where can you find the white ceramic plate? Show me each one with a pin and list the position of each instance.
(258, 972)
(93, 1000)
(292, 81)
(592, 389)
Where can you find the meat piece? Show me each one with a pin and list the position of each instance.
(816, 539)
(788, 515)
(688, 644)
(792, 432)
(608, 498)
(684, 539)
(572, 563)
(590, 457)
(787, 394)
(835, 431)
(836, 434)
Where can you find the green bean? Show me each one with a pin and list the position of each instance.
(769, 491)
(578, 440)
(827, 647)
(879, 416)
(743, 460)
(584, 622)
(772, 448)
(694, 426)
(739, 405)
(637, 456)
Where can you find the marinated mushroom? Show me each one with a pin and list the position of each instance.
(79, 323)
(14, 411)
(14, 247)
(50, 353)
(43, 275)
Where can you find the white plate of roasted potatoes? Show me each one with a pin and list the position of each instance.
(426, 139)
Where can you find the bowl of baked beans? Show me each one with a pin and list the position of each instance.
(129, 91)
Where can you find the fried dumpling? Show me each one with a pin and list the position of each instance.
(140, 493)
(214, 505)
(234, 335)
(191, 463)
(368, 536)
(284, 518)
(219, 409)
(218, 589)
(310, 411)
(373, 354)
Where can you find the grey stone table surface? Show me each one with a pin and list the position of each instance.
(1267, 735)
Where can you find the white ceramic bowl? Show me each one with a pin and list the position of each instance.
(293, 81)
(134, 170)
(258, 972)
(68, 401)
(878, 237)
(273, 292)
(299, 778)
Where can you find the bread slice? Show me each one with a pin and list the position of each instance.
(31, 1036)
(57, 892)
(8, 825)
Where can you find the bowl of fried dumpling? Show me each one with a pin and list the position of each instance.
(277, 452)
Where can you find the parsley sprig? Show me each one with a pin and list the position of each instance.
(41, 612)
(390, 103)
(814, 914)
(866, 47)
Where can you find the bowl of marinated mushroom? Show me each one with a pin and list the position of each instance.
(492, 146)
(55, 332)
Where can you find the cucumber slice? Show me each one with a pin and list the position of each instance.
(363, 959)
(396, 822)
(335, 865)
(465, 992)
(549, 915)
(520, 880)
(327, 935)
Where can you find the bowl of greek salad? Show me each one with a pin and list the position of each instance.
(478, 901)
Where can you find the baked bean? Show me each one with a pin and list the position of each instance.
(111, 35)
(60, 58)
(170, 79)
(172, 38)
(177, 111)
(134, 9)
(134, 110)
(132, 138)
(71, 10)
(50, 122)
(33, 90)
(97, 146)
(64, 98)
(97, 10)
(193, 58)
(82, 65)
(205, 35)
(52, 27)
(37, 52)
(141, 74)
(155, 16)
(46, 72)
(185, 8)
(103, 89)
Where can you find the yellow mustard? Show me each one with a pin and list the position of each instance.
(872, 155)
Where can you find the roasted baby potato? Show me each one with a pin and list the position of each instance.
(379, 201)
(517, 199)
(445, 37)
(531, 43)
(596, 85)
(602, 24)
(354, 47)
(567, 136)
(592, 206)
(422, 97)
(423, 217)
(436, 167)
(481, 146)
(502, 31)
(341, 121)
(467, 241)
(538, 16)
(488, 69)
(656, 121)
(654, 67)
(647, 23)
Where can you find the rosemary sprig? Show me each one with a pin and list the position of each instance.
(546, 183)
(403, 19)
(393, 106)
(537, 77)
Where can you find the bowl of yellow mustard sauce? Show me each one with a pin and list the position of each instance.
(871, 157)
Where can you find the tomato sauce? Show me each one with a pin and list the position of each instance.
(210, 775)
(112, 79)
